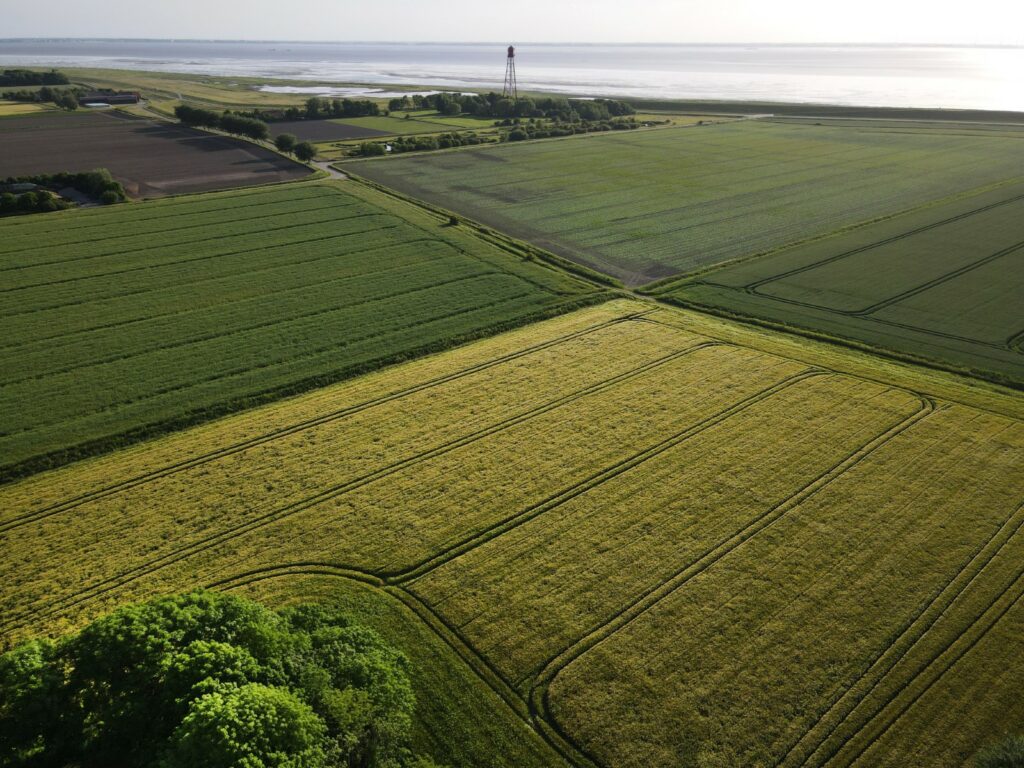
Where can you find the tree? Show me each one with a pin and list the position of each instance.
(305, 151)
(195, 117)
(315, 106)
(251, 725)
(28, 202)
(207, 679)
(286, 142)
(32, 706)
(8, 202)
(1007, 754)
(249, 127)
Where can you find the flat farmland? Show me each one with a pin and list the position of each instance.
(150, 158)
(127, 320)
(12, 108)
(646, 205)
(324, 130)
(944, 282)
(400, 125)
(656, 538)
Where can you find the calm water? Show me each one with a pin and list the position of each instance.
(982, 78)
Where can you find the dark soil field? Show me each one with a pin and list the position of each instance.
(324, 130)
(150, 158)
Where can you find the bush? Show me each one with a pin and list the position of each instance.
(207, 679)
(244, 126)
(28, 77)
(28, 202)
(305, 151)
(1008, 754)
(110, 197)
(201, 118)
(286, 142)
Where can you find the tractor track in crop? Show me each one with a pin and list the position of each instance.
(540, 689)
(754, 286)
(244, 329)
(112, 583)
(206, 257)
(306, 354)
(185, 284)
(979, 627)
(142, 247)
(909, 638)
(174, 468)
(195, 209)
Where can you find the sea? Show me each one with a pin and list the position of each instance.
(962, 77)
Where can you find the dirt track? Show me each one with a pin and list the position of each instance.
(150, 158)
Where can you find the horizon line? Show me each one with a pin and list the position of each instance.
(823, 43)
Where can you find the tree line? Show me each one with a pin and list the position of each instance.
(521, 130)
(227, 121)
(495, 105)
(419, 143)
(97, 184)
(240, 124)
(213, 680)
(28, 77)
(65, 98)
(317, 108)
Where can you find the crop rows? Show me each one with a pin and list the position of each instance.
(940, 283)
(239, 484)
(187, 308)
(603, 555)
(795, 614)
(646, 205)
(649, 541)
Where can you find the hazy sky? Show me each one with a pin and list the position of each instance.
(925, 21)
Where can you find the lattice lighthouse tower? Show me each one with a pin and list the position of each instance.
(510, 90)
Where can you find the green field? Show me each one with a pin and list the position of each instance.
(400, 126)
(645, 205)
(122, 321)
(655, 538)
(942, 283)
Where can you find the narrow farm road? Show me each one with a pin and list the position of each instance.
(334, 173)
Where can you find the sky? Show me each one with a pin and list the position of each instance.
(985, 22)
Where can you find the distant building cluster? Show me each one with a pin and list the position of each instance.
(109, 98)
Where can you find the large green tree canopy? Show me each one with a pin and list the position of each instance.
(208, 679)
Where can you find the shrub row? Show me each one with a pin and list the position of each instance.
(238, 125)
(65, 98)
(495, 105)
(28, 77)
(98, 184)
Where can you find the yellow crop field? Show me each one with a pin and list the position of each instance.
(647, 538)
(8, 108)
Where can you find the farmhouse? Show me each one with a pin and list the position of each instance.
(110, 97)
